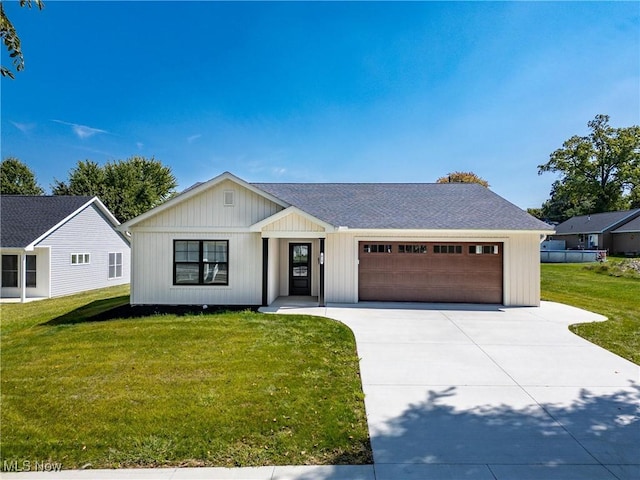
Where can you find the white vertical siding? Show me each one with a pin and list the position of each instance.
(153, 248)
(341, 268)
(208, 210)
(88, 232)
(522, 270)
(293, 223)
(153, 262)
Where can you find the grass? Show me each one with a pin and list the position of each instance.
(227, 389)
(616, 297)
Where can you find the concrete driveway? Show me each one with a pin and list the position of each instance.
(493, 393)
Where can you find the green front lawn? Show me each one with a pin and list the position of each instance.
(223, 389)
(616, 297)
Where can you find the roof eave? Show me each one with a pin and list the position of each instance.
(95, 200)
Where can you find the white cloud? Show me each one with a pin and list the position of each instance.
(24, 127)
(82, 131)
(139, 145)
(193, 138)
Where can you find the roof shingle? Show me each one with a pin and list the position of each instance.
(596, 223)
(24, 218)
(405, 205)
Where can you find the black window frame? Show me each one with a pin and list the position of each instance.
(9, 273)
(31, 271)
(13, 274)
(201, 263)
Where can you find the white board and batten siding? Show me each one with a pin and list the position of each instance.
(206, 211)
(89, 232)
(203, 217)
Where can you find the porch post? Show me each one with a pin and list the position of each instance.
(23, 277)
(321, 286)
(265, 271)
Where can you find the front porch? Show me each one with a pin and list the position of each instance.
(293, 254)
(290, 302)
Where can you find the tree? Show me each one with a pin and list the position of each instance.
(128, 188)
(16, 178)
(463, 177)
(11, 40)
(598, 172)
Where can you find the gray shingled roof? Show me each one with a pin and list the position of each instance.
(632, 226)
(24, 218)
(596, 223)
(405, 205)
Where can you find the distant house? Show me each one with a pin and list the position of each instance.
(596, 231)
(626, 238)
(59, 245)
(230, 242)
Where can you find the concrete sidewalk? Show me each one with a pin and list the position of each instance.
(471, 392)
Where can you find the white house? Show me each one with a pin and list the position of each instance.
(230, 242)
(59, 245)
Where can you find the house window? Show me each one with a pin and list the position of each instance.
(115, 265)
(378, 248)
(456, 249)
(201, 262)
(9, 270)
(31, 271)
(80, 258)
(419, 248)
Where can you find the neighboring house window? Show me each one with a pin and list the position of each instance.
(115, 265)
(80, 258)
(201, 262)
(31, 271)
(9, 270)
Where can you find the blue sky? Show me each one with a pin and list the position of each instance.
(320, 92)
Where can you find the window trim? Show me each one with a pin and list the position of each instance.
(85, 257)
(115, 265)
(201, 263)
(16, 272)
(33, 271)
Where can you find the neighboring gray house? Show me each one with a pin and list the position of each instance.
(595, 231)
(59, 245)
(230, 242)
(626, 238)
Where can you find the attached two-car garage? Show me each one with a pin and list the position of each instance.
(456, 272)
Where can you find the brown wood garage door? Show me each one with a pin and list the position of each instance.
(430, 272)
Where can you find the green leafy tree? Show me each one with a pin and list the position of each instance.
(463, 177)
(128, 188)
(598, 172)
(16, 178)
(11, 40)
